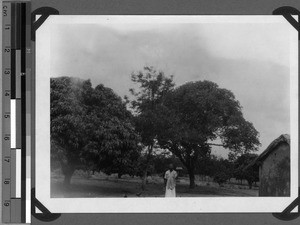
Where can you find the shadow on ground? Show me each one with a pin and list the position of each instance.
(84, 188)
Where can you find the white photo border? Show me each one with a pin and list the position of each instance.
(150, 205)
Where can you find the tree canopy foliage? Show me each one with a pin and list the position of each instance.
(242, 170)
(90, 126)
(198, 113)
(152, 85)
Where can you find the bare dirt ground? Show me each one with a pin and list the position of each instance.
(110, 186)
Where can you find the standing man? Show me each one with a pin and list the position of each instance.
(170, 181)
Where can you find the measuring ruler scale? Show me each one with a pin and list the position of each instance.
(16, 112)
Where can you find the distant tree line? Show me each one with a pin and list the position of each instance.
(223, 170)
(94, 127)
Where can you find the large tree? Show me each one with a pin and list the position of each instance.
(196, 116)
(91, 127)
(152, 85)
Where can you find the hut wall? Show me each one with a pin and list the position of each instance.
(275, 172)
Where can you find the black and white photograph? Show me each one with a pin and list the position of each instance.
(166, 113)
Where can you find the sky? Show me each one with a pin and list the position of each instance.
(252, 60)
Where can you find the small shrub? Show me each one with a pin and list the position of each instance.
(221, 178)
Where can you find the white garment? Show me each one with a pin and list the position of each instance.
(171, 183)
(170, 193)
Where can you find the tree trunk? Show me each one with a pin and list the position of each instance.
(190, 166)
(67, 180)
(68, 171)
(144, 181)
(192, 178)
(250, 184)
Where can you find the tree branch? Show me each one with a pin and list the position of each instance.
(215, 144)
(178, 154)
